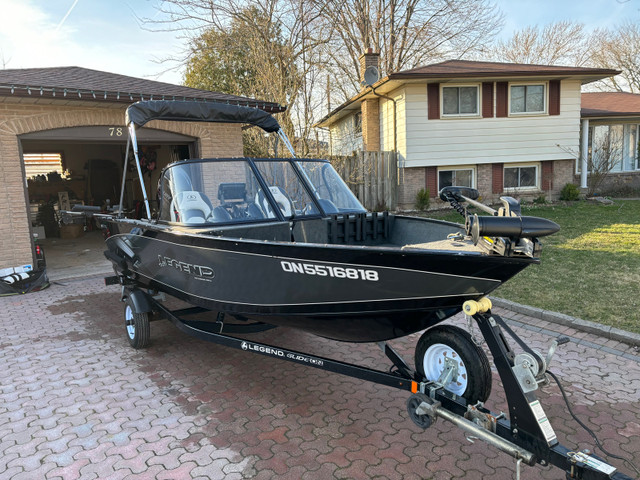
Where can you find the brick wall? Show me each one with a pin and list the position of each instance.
(215, 140)
(371, 125)
(411, 181)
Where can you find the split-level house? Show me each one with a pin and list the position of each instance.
(499, 127)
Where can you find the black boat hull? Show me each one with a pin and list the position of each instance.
(347, 293)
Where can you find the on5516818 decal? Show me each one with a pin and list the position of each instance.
(329, 271)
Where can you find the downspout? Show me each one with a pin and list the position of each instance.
(395, 129)
(584, 154)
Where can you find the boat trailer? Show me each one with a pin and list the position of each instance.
(527, 435)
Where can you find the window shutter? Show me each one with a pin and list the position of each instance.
(431, 180)
(547, 175)
(487, 100)
(502, 99)
(433, 101)
(554, 97)
(497, 177)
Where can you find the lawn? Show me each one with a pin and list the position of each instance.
(590, 269)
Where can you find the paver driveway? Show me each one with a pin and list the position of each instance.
(77, 402)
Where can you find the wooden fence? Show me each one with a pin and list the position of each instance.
(372, 176)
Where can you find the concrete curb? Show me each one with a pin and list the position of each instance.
(612, 333)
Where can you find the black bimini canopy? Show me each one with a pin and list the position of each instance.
(179, 111)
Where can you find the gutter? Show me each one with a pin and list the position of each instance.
(79, 94)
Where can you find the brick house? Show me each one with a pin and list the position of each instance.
(498, 127)
(612, 119)
(71, 120)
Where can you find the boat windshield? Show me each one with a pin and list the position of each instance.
(195, 193)
(228, 191)
(333, 194)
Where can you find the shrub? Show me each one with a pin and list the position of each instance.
(570, 192)
(541, 200)
(423, 199)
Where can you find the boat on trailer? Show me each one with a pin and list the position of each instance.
(269, 242)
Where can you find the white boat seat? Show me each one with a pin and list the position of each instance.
(281, 198)
(191, 207)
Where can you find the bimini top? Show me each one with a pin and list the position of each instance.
(142, 112)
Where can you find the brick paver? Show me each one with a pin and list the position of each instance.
(77, 402)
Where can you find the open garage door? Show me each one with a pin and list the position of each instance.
(83, 165)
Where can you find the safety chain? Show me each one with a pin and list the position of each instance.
(472, 332)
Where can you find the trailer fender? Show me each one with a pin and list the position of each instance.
(140, 301)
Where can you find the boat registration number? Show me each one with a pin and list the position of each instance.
(329, 271)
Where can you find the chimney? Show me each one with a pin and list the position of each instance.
(368, 59)
(370, 107)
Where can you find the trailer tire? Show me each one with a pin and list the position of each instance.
(137, 326)
(474, 372)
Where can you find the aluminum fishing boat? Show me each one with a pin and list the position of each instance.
(285, 242)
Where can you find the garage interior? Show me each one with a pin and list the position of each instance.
(83, 166)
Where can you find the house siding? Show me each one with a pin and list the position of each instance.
(344, 139)
(490, 140)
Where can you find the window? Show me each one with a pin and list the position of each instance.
(460, 177)
(460, 100)
(521, 177)
(528, 98)
(357, 122)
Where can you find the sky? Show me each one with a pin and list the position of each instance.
(108, 35)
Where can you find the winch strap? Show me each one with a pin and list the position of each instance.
(518, 340)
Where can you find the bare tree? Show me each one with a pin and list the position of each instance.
(606, 147)
(559, 43)
(277, 48)
(406, 33)
(317, 38)
(619, 49)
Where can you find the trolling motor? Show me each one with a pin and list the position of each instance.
(504, 230)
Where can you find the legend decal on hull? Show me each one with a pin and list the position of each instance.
(199, 272)
(329, 271)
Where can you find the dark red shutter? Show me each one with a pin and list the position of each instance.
(547, 175)
(502, 99)
(431, 180)
(433, 101)
(487, 100)
(554, 97)
(497, 177)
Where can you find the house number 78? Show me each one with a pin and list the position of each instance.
(115, 131)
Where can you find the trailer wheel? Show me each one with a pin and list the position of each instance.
(474, 373)
(137, 325)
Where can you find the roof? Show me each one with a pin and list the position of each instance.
(77, 83)
(610, 104)
(468, 69)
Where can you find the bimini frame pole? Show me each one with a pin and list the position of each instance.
(285, 139)
(124, 175)
(134, 143)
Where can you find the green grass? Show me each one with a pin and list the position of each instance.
(590, 269)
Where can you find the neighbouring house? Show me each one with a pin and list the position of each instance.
(501, 128)
(611, 132)
(62, 131)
